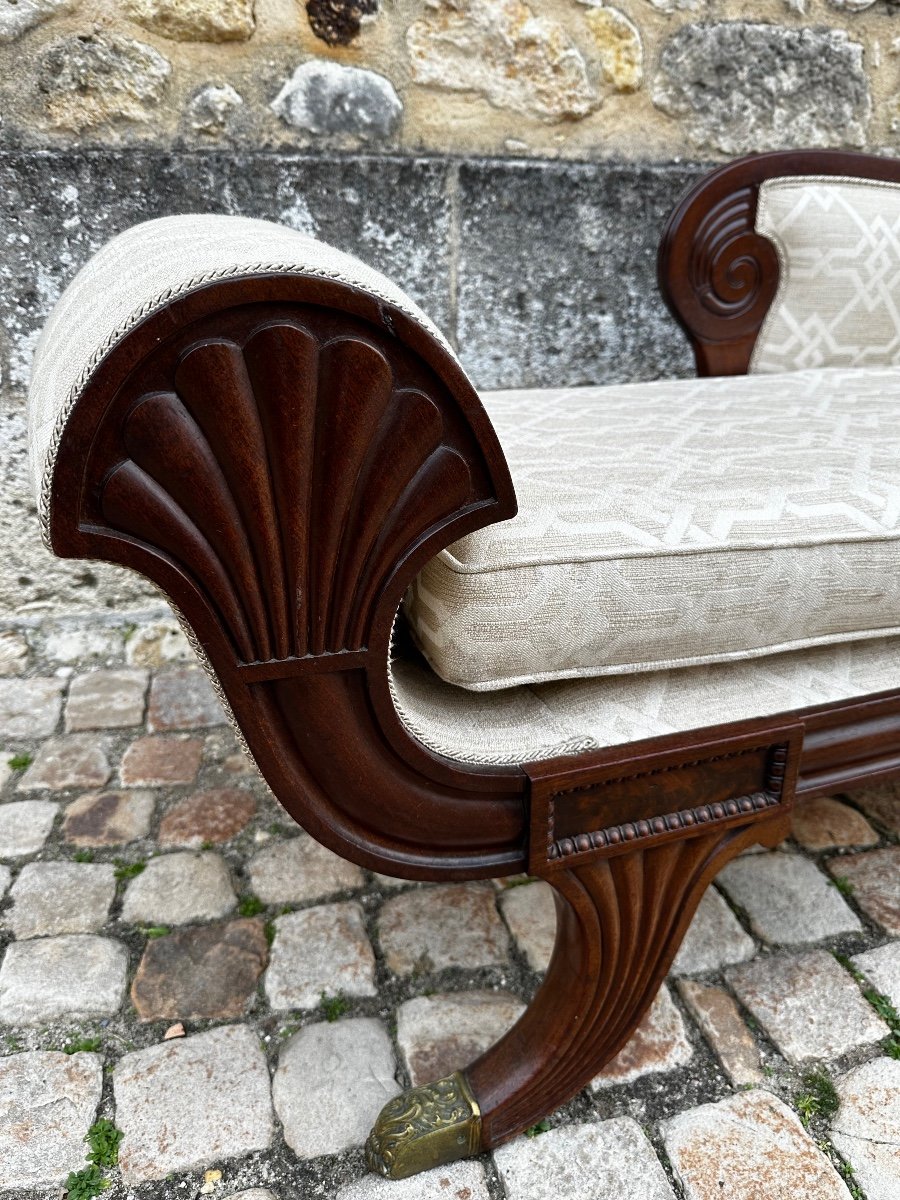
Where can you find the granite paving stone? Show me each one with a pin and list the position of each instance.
(214, 816)
(183, 698)
(77, 760)
(454, 925)
(30, 708)
(174, 889)
(882, 968)
(60, 897)
(874, 877)
(298, 869)
(808, 1004)
(5, 877)
(158, 761)
(443, 1033)
(13, 653)
(788, 900)
(823, 823)
(108, 818)
(720, 1021)
(322, 950)
(47, 1103)
(208, 971)
(881, 804)
(106, 699)
(714, 939)
(584, 1162)
(748, 1147)
(866, 1127)
(24, 826)
(73, 975)
(660, 1043)
(253, 1194)
(192, 1102)
(458, 1181)
(530, 913)
(332, 1081)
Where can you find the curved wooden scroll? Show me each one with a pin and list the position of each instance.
(716, 273)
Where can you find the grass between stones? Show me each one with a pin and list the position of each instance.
(103, 1151)
(880, 1003)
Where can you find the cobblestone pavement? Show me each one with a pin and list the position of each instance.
(180, 959)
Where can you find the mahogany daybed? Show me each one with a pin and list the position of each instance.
(694, 617)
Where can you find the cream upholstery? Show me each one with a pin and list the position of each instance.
(838, 301)
(526, 724)
(675, 523)
(141, 270)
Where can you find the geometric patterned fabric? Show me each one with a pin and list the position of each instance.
(838, 301)
(673, 524)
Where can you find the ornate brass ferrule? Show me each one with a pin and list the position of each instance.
(425, 1127)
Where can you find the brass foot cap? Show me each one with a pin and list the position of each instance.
(425, 1127)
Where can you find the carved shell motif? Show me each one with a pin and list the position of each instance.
(285, 477)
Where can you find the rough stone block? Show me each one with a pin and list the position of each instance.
(215, 816)
(882, 968)
(194, 20)
(578, 1162)
(106, 699)
(714, 939)
(176, 888)
(29, 708)
(530, 913)
(108, 818)
(193, 1101)
(881, 804)
(746, 1146)
(322, 950)
(720, 1020)
(47, 1103)
(5, 877)
(455, 925)
(183, 698)
(158, 644)
(788, 900)
(823, 823)
(875, 880)
(74, 761)
(90, 79)
(298, 869)
(440, 1034)
(325, 97)
(459, 1181)
(866, 1127)
(158, 761)
(331, 1083)
(25, 826)
(808, 1005)
(60, 897)
(77, 644)
(77, 974)
(660, 1043)
(13, 653)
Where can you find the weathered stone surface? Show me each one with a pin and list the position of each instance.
(331, 1083)
(29, 708)
(506, 52)
(720, 1020)
(106, 699)
(25, 826)
(208, 971)
(714, 939)
(321, 951)
(337, 22)
(788, 900)
(675, 5)
(91, 79)
(192, 1101)
(254, 1194)
(75, 975)
(77, 760)
(750, 1145)
(459, 1181)
(5, 877)
(619, 48)
(823, 823)
(808, 1005)
(176, 888)
(455, 925)
(47, 1103)
(739, 86)
(13, 653)
(298, 869)
(157, 761)
(214, 816)
(530, 913)
(440, 1034)
(211, 109)
(18, 16)
(158, 644)
(67, 643)
(60, 897)
(881, 804)
(325, 97)
(194, 20)
(108, 818)
(183, 698)
(882, 968)
(866, 1128)
(659, 1043)
(581, 1161)
(875, 880)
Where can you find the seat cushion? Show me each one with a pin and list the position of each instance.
(672, 524)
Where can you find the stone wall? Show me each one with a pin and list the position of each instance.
(509, 163)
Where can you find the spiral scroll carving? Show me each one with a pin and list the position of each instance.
(729, 261)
